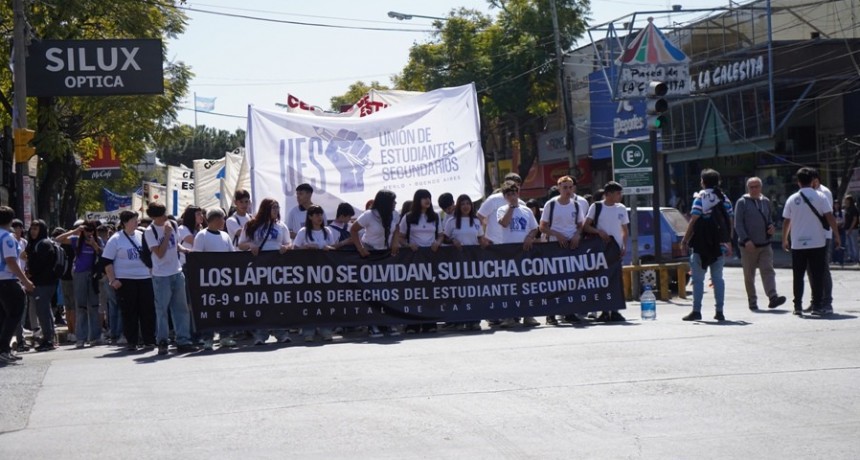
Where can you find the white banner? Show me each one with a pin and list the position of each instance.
(137, 203)
(105, 217)
(234, 175)
(180, 189)
(153, 193)
(208, 175)
(430, 141)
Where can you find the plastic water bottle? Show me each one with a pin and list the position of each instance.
(648, 304)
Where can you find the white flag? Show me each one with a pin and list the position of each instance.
(207, 182)
(180, 189)
(430, 141)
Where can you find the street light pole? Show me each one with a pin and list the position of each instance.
(562, 87)
(19, 39)
(406, 16)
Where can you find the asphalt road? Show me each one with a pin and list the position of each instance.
(761, 385)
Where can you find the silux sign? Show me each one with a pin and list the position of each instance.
(94, 67)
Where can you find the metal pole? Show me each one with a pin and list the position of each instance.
(20, 87)
(656, 224)
(770, 70)
(562, 87)
(195, 111)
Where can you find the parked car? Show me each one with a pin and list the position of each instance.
(673, 226)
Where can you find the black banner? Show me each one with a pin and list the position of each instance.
(333, 288)
(94, 67)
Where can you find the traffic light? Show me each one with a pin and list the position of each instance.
(23, 150)
(657, 106)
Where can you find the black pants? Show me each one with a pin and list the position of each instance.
(815, 261)
(137, 304)
(12, 304)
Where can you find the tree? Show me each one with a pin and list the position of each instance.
(511, 60)
(68, 128)
(182, 144)
(355, 92)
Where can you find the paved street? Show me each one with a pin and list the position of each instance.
(761, 385)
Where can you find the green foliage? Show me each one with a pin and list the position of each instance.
(68, 128)
(181, 145)
(511, 59)
(355, 92)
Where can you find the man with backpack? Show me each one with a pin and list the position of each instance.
(46, 262)
(561, 220)
(709, 237)
(608, 219)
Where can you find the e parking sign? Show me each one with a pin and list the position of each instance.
(631, 167)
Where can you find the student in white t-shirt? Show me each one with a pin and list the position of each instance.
(131, 278)
(378, 224)
(213, 239)
(464, 228)
(236, 222)
(488, 209)
(563, 216)
(296, 216)
(266, 232)
(518, 226)
(314, 235)
(190, 223)
(420, 228)
(608, 219)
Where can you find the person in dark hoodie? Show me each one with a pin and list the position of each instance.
(709, 237)
(41, 256)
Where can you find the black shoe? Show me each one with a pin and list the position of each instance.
(798, 313)
(776, 301)
(616, 317)
(187, 348)
(162, 348)
(604, 317)
(551, 321)
(693, 316)
(46, 346)
(755, 307)
(719, 316)
(808, 309)
(821, 312)
(572, 318)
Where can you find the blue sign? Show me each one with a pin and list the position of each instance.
(612, 121)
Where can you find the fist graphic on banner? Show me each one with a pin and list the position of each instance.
(350, 155)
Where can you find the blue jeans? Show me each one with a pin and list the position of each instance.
(114, 317)
(850, 243)
(170, 297)
(88, 322)
(716, 269)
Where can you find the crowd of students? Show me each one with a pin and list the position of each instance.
(125, 286)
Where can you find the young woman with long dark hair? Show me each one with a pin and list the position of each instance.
(378, 224)
(266, 232)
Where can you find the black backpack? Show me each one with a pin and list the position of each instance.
(61, 262)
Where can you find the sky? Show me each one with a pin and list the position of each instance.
(242, 61)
